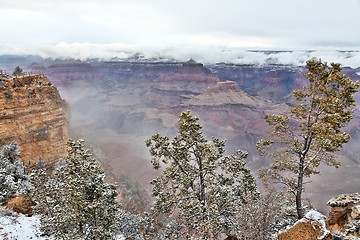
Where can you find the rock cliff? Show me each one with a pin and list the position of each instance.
(32, 113)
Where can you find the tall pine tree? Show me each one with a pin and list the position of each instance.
(312, 132)
(200, 190)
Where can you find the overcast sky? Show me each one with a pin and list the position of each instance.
(188, 24)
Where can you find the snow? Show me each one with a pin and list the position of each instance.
(18, 226)
(310, 216)
(15, 226)
(314, 215)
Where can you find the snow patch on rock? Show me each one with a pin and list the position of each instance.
(314, 215)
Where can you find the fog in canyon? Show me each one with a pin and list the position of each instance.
(117, 104)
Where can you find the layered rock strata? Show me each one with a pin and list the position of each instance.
(32, 113)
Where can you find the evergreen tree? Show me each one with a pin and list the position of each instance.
(200, 190)
(129, 225)
(75, 202)
(313, 131)
(18, 71)
(13, 177)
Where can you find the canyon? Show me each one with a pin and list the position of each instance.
(116, 105)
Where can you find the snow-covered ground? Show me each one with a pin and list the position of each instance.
(14, 226)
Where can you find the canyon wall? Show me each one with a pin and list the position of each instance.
(32, 113)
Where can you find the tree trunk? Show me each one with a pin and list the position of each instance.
(202, 183)
(299, 188)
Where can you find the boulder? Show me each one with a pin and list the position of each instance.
(311, 227)
(21, 204)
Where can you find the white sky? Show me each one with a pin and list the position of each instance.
(128, 25)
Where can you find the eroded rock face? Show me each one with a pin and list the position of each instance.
(344, 209)
(32, 113)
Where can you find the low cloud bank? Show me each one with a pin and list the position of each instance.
(202, 54)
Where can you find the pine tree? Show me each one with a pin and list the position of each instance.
(18, 71)
(75, 202)
(200, 190)
(129, 225)
(312, 132)
(13, 176)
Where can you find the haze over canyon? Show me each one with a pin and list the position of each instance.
(116, 104)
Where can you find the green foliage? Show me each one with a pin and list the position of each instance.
(313, 131)
(200, 190)
(129, 225)
(75, 202)
(18, 71)
(13, 176)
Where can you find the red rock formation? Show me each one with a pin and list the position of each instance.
(225, 86)
(31, 112)
(189, 72)
(66, 73)
(227, 92)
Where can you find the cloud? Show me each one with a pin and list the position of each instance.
(262, 24)
(206, 30)
(204, 54)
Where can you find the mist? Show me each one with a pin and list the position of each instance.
(207, 55)
(116, 105)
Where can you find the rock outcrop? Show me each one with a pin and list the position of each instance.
(344, 209)
(191, 71)
(343, 221)
(312, 226)
(21, 204)
(226, 92)
(32, 113)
